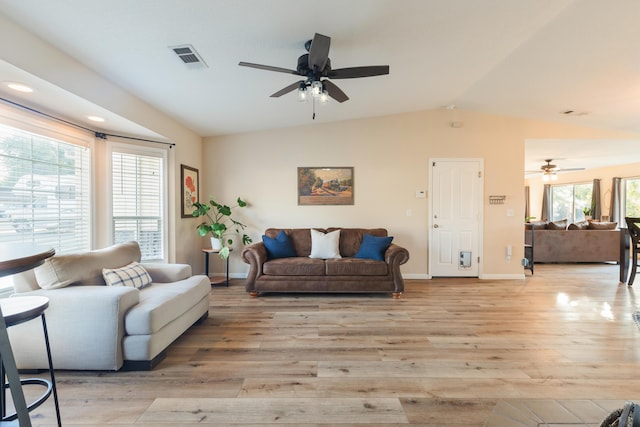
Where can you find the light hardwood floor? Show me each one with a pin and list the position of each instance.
(443, 355)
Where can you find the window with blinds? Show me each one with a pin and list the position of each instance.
(138, 200)
(44, 190)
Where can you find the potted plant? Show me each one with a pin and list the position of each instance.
(587, 213)
(218, 222)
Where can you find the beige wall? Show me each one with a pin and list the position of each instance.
(390, 156)
(606, 175)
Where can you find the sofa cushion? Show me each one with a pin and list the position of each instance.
(356, 267)
(373, 247)
(558, 225)
(280, 247)
(162, 303)
(295, 266)
(132, 275)
(582, 225)
(325, 245)
(602, 225)
(538, 225)
(351, 238)
(300, 238)
(85, 268)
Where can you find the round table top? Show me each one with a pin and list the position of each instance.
(20, 309)
(18, 257)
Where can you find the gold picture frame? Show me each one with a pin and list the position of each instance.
(325, 186)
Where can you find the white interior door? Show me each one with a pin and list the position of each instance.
(456, 203)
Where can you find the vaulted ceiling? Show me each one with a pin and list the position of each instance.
(527, 58)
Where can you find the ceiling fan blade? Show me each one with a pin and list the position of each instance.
(569, 169)
(355, 72)
(335, 92)
(290, 88)
(268, 68)
(319, 52)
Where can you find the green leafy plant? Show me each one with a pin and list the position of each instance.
(219, 221)
(586, 211)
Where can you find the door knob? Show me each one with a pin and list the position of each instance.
(435, 225)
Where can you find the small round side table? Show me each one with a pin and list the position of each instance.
(214, 281)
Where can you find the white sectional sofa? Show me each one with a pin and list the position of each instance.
(93, 326)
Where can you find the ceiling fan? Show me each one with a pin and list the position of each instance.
(315, 67)
(550, 171)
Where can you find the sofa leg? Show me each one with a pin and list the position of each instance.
(253, 294)
(396, 295)
(143, 365)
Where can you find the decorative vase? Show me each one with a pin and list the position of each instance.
(588, 218)
(216, 244)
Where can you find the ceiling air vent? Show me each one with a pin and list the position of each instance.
(189, 56)
(574, 113)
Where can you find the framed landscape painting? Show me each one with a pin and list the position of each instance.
(325, 186)
(189, 189)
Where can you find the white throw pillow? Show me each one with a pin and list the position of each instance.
(132, 275)
(325, 246)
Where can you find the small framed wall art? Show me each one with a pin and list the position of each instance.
(190, 186)
(325, 186)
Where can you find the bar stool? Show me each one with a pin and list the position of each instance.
(13, 312)
(633, 225)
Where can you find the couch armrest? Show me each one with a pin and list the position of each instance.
(85, 326)
(395, 256)
(167, 273)
(255, 255)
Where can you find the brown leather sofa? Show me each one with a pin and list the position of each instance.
(304, 274)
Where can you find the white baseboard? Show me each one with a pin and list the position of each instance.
(416, 276)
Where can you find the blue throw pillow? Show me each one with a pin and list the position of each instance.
(280, 247)
(373, 247)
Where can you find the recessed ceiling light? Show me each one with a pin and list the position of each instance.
(95, 118)
(19, 87)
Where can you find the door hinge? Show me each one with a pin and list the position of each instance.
(433, 164)
(479, 174)
(478, 260)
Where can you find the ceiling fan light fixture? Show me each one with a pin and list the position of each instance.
(302, 93)
(324, 97)
(316, 88)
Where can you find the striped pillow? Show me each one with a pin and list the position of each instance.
(132, 275)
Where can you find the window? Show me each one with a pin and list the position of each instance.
(631, 197)
(138, 191)
(568, 201)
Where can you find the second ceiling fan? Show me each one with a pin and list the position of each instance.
(550, 171)
(315, 67)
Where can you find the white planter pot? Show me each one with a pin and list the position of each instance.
(216, 244)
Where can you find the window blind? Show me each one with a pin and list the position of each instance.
(138, 201)
(44, 190)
